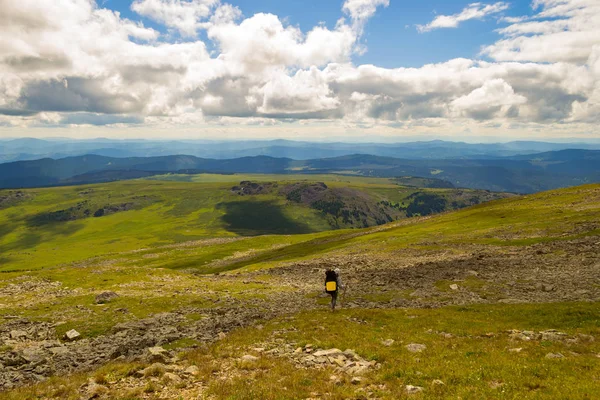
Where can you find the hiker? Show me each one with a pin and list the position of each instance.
(333, 283)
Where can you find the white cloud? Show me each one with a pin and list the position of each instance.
(494, 97)
(562, 31)
(183, 15)
(362, 10)
(472, 11)
(261, 71)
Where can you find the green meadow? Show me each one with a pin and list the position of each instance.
(186, 244)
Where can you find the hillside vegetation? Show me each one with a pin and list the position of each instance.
(498, 300)
(44, 227)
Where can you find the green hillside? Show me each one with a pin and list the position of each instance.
(43, 227)
(503, 295)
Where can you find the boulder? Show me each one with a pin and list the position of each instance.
(72, 335)
(249, 358)
(105, 297)
(59, 350)
(16, 335)
(410, 389)
(356, 380)
(415, 347)
(34, 355)
(192, 370)
(328, 353)
(156, 354)
(171, 378)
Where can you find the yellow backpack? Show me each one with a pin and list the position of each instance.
(331, 286)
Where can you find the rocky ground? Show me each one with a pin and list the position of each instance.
(557, 271)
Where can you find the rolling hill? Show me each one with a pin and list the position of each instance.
(497, 299)
(32, 149)
(522, 174)
(36, 223)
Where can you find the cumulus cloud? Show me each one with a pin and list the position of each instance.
(259, 70)
(472, 11)
(183, 15)
(360, 11)
(493, 97)
(561, 31)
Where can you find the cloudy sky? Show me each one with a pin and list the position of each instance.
(301, 69)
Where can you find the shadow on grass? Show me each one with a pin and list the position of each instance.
(253, 218)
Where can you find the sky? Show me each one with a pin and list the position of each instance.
(355, 70)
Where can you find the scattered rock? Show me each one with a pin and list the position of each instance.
(34, 355)
(95, 391)
(388, 342)
(410, 389)
(356, 380)
(249, 358)
(72, 335)
(454, 286)
(171, 378)
(105, 297)
(16, 335)
(554, 355)
(415, 347)
(192, 370)
(437, 382)
(156, 354)
(328, 353)
(553, 335)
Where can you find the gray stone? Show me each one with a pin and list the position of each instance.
(105, 297)
(415, 347)
(16, 335)
(192, 370)
(172, 378)
(72, 335)
(59, 351)
(410, 389)
(388, 342)
(249, 358)
(552, 335)
(554, 356)
(34, 355)
(454, 286)
(326, 353)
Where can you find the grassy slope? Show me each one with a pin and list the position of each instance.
(164, 213)
(466, 363)
(467, 349)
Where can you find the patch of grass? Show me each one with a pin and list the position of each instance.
(471, 363)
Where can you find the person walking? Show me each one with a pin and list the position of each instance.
(333, 284)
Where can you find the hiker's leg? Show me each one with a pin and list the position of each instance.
(333, 300)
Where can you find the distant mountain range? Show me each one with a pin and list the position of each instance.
(33, 149)
(519, 174)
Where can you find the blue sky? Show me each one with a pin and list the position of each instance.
(391, 36)
(519, 69)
